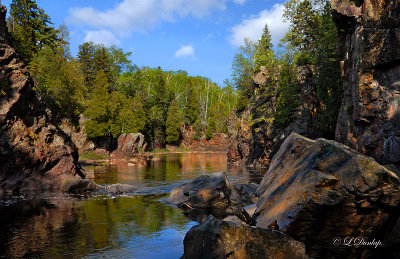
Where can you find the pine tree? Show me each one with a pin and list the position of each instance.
(98, 111)
(60, 80)
(31, 28)
(101, 60)
(86, 58)
(191, 109)
(264, 55)
(174, 123)
(139, 115)
(132, 117)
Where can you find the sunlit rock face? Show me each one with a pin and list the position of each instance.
(34, 153)
(369, 44)
(316, 190)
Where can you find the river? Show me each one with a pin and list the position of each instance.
(135, 225)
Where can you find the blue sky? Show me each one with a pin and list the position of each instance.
(199, 36)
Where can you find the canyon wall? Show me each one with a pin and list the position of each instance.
(34, 153)
(369, 45)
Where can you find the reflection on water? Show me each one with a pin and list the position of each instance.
(170, 168)
(141, 226)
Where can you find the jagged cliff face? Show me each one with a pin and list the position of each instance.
(369, 44)
(34, 154)
(255, 144)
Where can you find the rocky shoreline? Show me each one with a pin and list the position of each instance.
(313, 192)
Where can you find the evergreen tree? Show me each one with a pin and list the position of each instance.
(98, 111)
(264, 55)
(173, 123)
(132, 117)
(60, 80)
(31, 28)
(210, 129)
(191, 109)
(101, 60)
(139, 114)
(86, 58)
(313, 34)
(157, 126)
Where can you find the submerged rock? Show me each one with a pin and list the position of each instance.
(34, 153)
(226, 239)
(317, 190)
(79, 185)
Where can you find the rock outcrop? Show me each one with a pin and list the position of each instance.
(218, 143)
(212, 194)
(369, 44)
(215, 195)
(226, 239)
(129, 145)
(254, 137)
(316, 190)
(240, 138)
(34, 153)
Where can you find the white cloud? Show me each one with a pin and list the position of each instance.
(140, 15)
(253, 27)
(102, 37)
(186, 51)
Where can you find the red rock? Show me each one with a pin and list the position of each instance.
(34, 153)
(369, 44)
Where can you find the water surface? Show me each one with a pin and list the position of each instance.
(137, 225)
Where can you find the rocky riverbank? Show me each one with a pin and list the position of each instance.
(34, 153)
(314, 191)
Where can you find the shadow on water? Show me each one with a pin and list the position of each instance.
(71, 227)
(138, 226)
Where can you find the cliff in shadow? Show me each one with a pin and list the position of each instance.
(34, 153)
(369, 45)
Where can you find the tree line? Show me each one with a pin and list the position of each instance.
(310, 44)
(114, 95)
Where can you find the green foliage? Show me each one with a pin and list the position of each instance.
(115, 96)
(31, 29)
(98, 112)
(86, 58)
(243, 66)
(287, 102)
(60, 81)
(191, 112)
(197, 130)
(210, 130)
(92, 156)
(313, 34)
(139, 119)
(173, 123)
(264, 55)
(219, 116)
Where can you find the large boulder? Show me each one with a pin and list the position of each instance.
(34, 153)
(317, 190)
(129, 145)
(211, 193)
(369, 45)
(226, 239)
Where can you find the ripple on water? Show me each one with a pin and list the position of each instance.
(100, 225)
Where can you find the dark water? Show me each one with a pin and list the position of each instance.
(138, 225)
